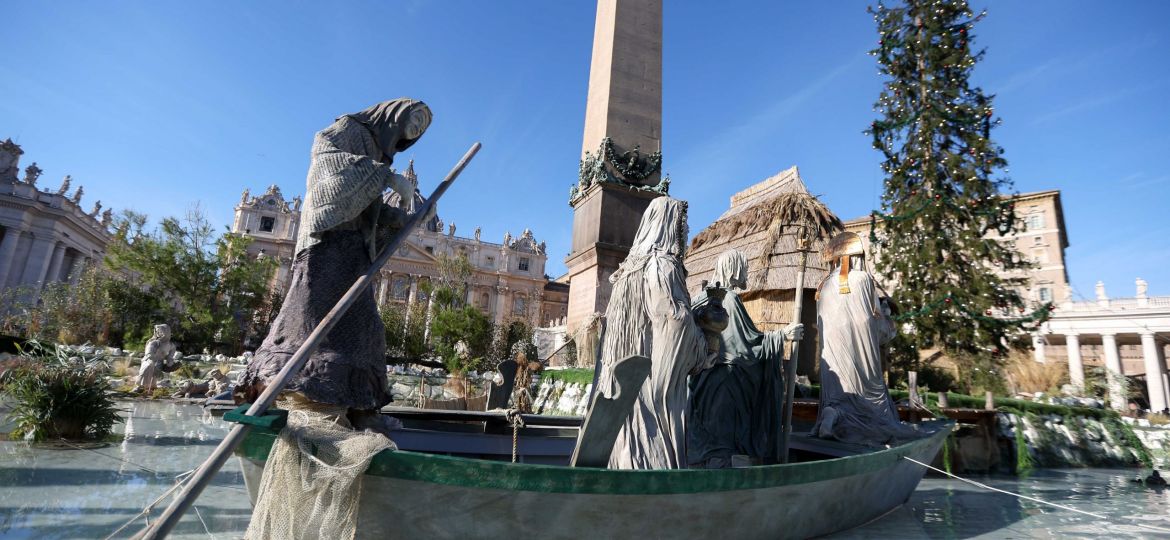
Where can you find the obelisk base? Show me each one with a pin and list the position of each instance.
(605, 220)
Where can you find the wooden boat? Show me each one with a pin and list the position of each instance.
(409, 494)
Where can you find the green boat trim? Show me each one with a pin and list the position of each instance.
(485, 474)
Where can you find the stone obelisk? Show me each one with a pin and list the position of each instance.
(621, 159)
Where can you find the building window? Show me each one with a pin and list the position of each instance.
(1045, 294)
(1039, 256)
(1037, 240)
(1035, 222)
(400, 288)
(519, 306)
(430, 249)
(490, 262)
(267, 224)
(482, 302)
(523, 264)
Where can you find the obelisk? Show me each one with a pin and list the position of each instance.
(620, 168)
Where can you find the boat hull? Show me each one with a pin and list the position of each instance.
(412, 495)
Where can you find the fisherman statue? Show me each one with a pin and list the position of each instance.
(854, 323)
(334, 402)
(735, 404)
(649, 314)
(344, 223)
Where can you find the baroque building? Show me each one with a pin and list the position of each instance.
(507, 280)
(46, 236)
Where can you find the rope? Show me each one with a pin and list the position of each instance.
(513, 415)
(146, 511)
(1102, 517)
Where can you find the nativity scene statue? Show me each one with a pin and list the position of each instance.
(649, 315)
(736, 403)
(854, 324)
(156, 359)
(344, 223)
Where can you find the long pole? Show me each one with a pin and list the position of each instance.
(790, 365)
(171, 516)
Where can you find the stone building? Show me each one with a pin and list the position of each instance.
(507, 281)
(1042, 240)
(45, 235)
(272, 223)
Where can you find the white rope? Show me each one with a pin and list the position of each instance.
(1102, 517)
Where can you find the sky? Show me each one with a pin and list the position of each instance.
(158, 106)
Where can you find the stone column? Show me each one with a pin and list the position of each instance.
(39, 258)
(1038, 347)
(1113, 373)
(1076, 368)
(54, 274)
(79, 263)
(1154, 369)
(7, 250)
(410, 299)
(501, 305)
(387, 283)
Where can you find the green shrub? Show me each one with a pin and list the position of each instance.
(57, 396)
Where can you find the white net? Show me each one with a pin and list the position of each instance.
(312, 480)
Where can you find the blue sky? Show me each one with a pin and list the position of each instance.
(156, 106)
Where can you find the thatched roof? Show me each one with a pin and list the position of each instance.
(761, 223)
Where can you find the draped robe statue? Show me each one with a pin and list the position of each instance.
(735, 404)
(158, 350)
(649, 315)
(855, 403)
(343, 222)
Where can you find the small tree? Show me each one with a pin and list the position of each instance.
(209, 283)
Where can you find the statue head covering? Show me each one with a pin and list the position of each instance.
(731, 270)
(390, 124)
(162, 331)
(843, 245)
(663, 231)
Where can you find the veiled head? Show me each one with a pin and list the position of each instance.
(162, 331)
(395, 124)
(731, 270)
(663, 228)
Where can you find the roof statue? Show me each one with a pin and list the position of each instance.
(32, 173)
(65, 182)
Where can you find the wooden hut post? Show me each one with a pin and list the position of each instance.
(790, 365)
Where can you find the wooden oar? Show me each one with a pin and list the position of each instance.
(171, 516)
(790, 366)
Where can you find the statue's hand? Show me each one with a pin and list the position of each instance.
(402, 185)
(793, 332)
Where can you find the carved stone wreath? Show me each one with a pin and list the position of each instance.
(630, 166)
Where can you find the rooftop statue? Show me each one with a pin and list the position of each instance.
(65, 182)
(343, 224)
(76, 198)
(32, 173)
(855, 403)
(735, 405)
(649, 314)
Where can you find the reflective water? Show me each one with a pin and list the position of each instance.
(70, 492)
(88, 491)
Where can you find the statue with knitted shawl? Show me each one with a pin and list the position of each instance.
(735, 404)
(343, 223)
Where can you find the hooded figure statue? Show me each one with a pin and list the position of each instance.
(855, 403)
(649, 315)
(735, 405)
(343, 224)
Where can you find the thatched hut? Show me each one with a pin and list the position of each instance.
(763, 222)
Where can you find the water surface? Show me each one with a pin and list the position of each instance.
(60, 491)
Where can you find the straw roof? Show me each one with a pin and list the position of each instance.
(761, 223)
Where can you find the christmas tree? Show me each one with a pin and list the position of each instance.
(944, 189)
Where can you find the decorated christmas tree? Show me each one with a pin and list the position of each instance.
(945, 190)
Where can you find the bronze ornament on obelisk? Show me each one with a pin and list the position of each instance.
(620, 169)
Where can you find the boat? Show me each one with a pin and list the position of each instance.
(830, 488)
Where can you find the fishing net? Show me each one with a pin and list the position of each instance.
(312, 480)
